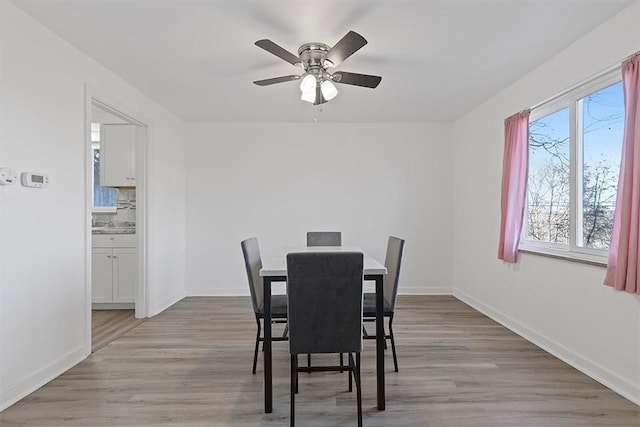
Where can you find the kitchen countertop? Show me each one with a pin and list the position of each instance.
(113, 230)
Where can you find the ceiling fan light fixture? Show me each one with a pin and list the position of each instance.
(329, 90)
(327, 64)
(309, 95)
(308, 83)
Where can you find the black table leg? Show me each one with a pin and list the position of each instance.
(380, 341)
(268, 386)
(378, 278)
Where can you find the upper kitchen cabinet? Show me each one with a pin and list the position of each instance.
(118, 155)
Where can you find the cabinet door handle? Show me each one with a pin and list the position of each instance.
(108, 256)
(114, 257)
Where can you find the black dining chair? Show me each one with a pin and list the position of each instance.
(253, 264)
(393, 259)
(324, 238)
(324, 295)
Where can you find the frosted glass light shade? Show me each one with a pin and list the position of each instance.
(309, 95)
(308, 83)
(329, 90)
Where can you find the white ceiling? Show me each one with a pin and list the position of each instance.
(438, 59)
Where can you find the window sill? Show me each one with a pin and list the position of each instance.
(104, 210)
(581, 258)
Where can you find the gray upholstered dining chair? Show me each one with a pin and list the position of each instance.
(253, 264)
(324, 238)
(393, 259)
(324, 296)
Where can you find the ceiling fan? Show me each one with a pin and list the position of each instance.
(315, 58)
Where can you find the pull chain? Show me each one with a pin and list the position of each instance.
(316, 109)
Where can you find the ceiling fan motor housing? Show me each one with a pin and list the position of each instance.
(312, 55)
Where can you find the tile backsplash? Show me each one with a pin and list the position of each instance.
(125, 214)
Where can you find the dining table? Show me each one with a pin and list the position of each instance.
(274, 269)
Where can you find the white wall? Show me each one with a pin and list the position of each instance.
(559, 305)
(278, 181)
(43, 231)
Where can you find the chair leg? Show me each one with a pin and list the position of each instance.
(393, 344)
(358, 389)
(255, 353)
(350, 373)
(341, 362)
(294, 375)
(309, 361)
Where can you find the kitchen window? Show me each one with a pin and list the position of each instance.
(575, 145)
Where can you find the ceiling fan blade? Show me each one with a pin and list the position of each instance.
(347, 46)
(267, 82)
(278, 51)
(364, 80)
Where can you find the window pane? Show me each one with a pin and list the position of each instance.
(548, 184)
(602, 131)
(102, 196)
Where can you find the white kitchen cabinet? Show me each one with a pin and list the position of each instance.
(114, 269)
(125, 270)
(101, 275)
(118, 155)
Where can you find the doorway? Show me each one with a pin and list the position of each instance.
(116, 241)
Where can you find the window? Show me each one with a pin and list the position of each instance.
(104, 198)
(575, 145)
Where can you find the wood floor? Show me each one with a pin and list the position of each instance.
(191, 366)
(108, 325)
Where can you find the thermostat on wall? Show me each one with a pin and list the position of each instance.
(34, 179)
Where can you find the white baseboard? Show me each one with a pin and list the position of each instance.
(594, 370)
(421, 290)
(113, 306)
(218, 292)
(28, 385)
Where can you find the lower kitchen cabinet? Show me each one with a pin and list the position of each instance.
(113, 275)
(124, 277)
(101, 275)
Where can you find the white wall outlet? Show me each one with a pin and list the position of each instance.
(7, 176)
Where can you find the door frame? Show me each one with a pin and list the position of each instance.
(95, 98)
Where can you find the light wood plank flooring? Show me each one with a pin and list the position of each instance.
(191, 366)
(108, 325)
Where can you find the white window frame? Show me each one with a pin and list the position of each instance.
(570, 99)
(95, 145)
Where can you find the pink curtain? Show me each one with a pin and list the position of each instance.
(514, 184)
(623, 266)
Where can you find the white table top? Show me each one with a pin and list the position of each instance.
(277, 266)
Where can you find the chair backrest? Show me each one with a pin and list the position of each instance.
(392, 261)
(324, 297)
(324, 238)
(253, 263)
